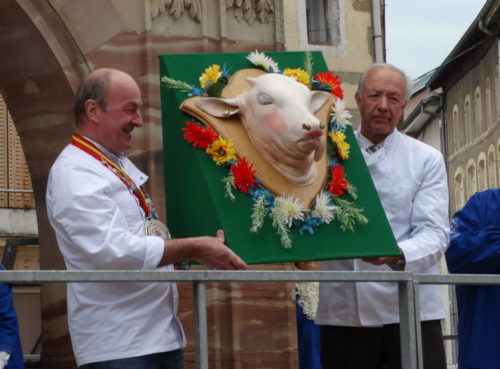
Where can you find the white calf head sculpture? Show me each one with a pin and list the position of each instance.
(278, 115)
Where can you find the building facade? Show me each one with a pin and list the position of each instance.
(456, 109)
(469, 77)
(53, 44)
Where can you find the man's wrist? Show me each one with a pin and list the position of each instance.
(401, 261)
(399, 264)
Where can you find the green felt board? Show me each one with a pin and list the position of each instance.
(195, 197)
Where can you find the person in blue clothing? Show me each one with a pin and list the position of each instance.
(11, 355)
(308, 333)
(475, 248)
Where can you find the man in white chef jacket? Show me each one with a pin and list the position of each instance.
(360, 321)
(103, 219)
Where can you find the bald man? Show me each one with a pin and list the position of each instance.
(103, 219)
(360, 321)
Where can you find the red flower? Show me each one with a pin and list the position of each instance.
(199, 136)
(328, 78)
(338, 184)
(243, 175)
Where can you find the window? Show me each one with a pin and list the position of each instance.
(322, 22)
(468, 121)
(482, 175)
(471, 178)
(492, 169)
(479, 125)
(14, 173)
(455, 130)
(459, 189)
(487, 104)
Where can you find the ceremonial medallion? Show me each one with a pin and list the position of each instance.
(155, 227)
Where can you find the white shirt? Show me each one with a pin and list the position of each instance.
(99, 225)
(410, 178)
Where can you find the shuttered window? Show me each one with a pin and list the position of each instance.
(14, 173)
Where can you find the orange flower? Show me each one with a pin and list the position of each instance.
(338, 184)
(331, 80)
(199, 136)
(243, 175)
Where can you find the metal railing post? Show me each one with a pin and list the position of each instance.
(418, 326)
(200, 325)
(408, 337)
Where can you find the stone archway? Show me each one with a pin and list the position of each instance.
(40, 68)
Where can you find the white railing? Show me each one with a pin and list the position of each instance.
(411, 346)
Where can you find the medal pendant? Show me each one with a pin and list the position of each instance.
(155, 227)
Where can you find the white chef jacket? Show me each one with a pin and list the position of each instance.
(410, 178)
(99, 225)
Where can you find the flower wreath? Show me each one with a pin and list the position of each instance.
(286, 212)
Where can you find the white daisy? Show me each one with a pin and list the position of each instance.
(288, 208)
(339, 114)
(261, 60)
(323, 209)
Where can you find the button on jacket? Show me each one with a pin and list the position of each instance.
(410, 179)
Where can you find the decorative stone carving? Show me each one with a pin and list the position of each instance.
(176, 8)
(249, 10)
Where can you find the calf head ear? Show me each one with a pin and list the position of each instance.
(318, 99)
(220, 108)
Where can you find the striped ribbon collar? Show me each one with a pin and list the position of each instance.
(85, 145)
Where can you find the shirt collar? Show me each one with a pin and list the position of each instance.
(365, 143)
(117, 159)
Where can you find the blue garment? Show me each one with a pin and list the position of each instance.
(475, 248)
(308, 341)
(9, 329)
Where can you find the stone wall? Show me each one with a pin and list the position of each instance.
(52, 44)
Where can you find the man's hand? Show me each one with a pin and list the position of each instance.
(307, 265)
(215, 254)
(390, 260)
(208, 250)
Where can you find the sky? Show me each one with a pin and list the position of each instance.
(420, 34)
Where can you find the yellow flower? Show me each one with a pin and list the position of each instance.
(300, 75)
(221, 151)
(343, 147)
(211, 74)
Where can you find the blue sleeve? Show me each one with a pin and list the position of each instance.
(475, 236)
(8, 320)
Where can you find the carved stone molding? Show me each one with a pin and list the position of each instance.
(175, 8)
(251, 10)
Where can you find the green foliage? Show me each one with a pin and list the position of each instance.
(176, 84)
(281, 230)
(228, 187)
(258, 214)
(308, 63)
(348, 215)
(215, 89)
